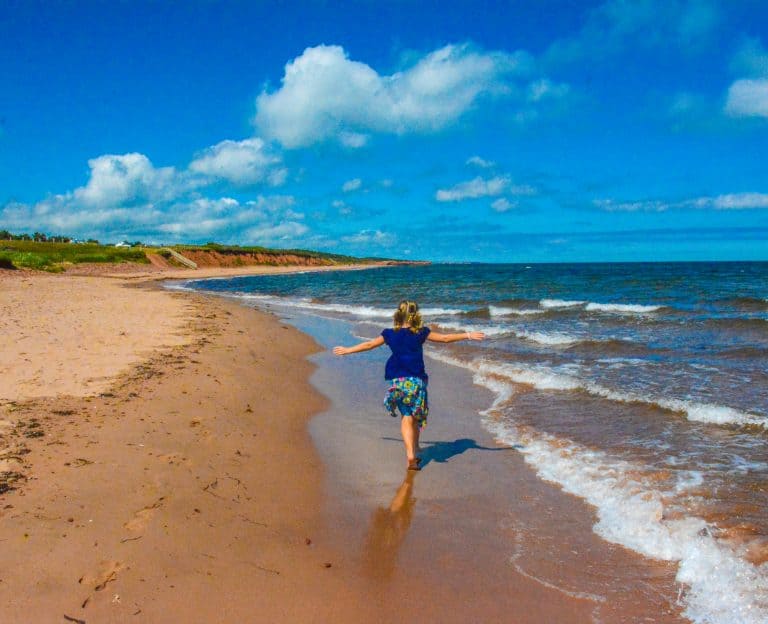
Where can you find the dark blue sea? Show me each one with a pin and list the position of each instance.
(640, 388)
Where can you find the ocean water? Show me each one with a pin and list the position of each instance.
(640, 388)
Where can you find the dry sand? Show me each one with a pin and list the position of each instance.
(167, 476)
(72, 335)
(186, 490)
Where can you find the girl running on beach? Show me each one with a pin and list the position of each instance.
(405, 371)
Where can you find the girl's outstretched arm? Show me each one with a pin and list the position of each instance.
(363, 346)
(436, 337)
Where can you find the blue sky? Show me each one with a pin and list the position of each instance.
(461, 131)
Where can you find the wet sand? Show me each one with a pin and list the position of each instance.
(482, 535)
(187, 488)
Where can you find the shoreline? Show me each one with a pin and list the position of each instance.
(191, 485)
(485, 535)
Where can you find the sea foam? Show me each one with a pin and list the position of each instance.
(544, 378)
(560, 303)
(622, 308)
(722, 588)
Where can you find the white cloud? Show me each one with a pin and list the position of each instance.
(738, 201)
(326, 95)
(478, 187)
(748, 98)
(353, 139)
(351, 185)
(278, 234)
(371, 237)
(731, 201)
(480, 162)
(503, 204)
(263, 221)
(241, 162)
(120, 179)
(342, 207)
(482, 187)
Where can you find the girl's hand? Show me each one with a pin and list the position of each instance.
(339, 350)
(475, 335)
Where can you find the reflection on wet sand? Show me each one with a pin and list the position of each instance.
(440, 451)
(389, 526)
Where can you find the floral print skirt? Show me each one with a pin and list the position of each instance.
(409, 395)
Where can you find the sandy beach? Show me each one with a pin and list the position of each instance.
(157, 467)
(170, 478)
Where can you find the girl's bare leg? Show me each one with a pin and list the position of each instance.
(416, 433)
(409, 429)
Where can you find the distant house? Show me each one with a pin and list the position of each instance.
(123, 244)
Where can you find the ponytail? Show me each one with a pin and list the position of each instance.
(407, 313)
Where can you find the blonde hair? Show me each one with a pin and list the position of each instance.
(407, 313)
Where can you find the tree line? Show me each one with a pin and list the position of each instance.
(39, 237)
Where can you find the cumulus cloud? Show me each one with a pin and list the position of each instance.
(748, 95)
(279, 234)
(748, 98)
(730, 201)
(125, 194)
(120, 179)
(351, 185)
(324, 94)
(353, 139)
(483, 187)
(371, 237)
(241, 162)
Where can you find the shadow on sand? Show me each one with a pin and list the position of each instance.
(441, 451)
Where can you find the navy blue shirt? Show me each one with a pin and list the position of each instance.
(407, 359)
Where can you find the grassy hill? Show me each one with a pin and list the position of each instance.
(46, 256)
(56, 256)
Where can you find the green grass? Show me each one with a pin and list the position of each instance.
(54, 256)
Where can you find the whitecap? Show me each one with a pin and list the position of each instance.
(622, 308)
(504, 311)
(722, 588)
(560, 303)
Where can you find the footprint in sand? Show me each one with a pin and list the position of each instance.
(142, 517)
(175, 459)
(202, 431)
(106, 573)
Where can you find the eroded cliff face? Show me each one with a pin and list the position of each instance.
(214, 258)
